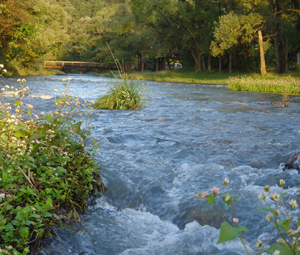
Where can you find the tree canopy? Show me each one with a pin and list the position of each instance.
(207, 34)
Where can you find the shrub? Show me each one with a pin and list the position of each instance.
(47, 172)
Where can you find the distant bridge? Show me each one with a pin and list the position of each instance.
(80, 66)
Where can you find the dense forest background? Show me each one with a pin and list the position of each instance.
(208, 35)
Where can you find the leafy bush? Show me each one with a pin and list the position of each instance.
(47, 172)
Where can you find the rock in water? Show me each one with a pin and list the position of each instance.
(293, 161)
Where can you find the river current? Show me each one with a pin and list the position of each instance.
(154, 161)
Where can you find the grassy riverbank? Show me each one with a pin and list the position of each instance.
(271, 83)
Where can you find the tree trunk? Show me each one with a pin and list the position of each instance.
(220, 64)
(139, 61)
(286, 55)
(128, 67)
(154, 65)
(169, 64)
(230, 61)
(263, 70)
(298, 61)
(209, 62)
(197, 57)
(203, 63)
(276, 50)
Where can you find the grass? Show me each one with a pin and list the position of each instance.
(283, 85)
(124, 94)
(288, 83)
(190, 76)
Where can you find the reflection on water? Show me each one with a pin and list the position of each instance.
(155, 160)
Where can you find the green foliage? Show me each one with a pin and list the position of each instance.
(123, 95)
(46, 170)
(233, 29)
(228, 232)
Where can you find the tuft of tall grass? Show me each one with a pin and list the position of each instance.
(124, 94)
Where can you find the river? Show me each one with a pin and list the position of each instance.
(155, 160)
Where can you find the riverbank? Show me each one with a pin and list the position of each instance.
(252, 82)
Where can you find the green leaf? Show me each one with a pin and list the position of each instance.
(5, 176)
(49, 204)
(60, 170)
(67, 122)
(76, 216)
(284, 224)
(281, 198)
(224, 198)
(48, 118)
(271, 210)
(283, 248)
(298, 223)
(20, 133)
(69, 215)
(228, 232)
(34, 215)
(36, 136)
(210, 199)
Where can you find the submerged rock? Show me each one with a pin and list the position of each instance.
(293, 162)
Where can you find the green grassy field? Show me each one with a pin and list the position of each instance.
(189, 76)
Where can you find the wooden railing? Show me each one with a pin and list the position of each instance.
(79, 65)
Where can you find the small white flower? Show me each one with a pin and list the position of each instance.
(225, 181)
(274, 196)
(277, 252)
(293, 203)
(281, 182)
(269, 217)
(258, 243)
(4, 70)
(55, 90)
(262, 196)
(1, 65)
(23, 80)
(19, 80)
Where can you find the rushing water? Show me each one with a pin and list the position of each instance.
(154, 161)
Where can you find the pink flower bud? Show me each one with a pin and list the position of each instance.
(235, 220)
(215, 190)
